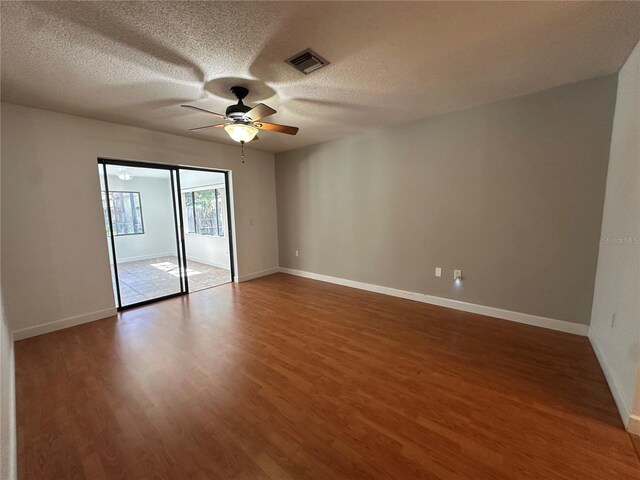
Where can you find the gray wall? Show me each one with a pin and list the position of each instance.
(511, 193)
(617, 287)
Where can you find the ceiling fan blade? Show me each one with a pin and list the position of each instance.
(216, 125)
(274, 127)
(203, 110)
(259, 111)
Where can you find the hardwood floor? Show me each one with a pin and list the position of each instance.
(289, 378)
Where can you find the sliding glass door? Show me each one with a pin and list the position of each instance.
(141, 220)
(168, 229)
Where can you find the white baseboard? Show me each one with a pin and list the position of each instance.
(544, 322)
(208, 262)
(146, 257)
(261, 273)
(63, 323)
(634, 424)
(623, 408)
(172, 254)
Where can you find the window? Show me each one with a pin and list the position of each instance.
(204, 211)
(126, 213)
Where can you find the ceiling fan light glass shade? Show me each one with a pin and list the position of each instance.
(241, 132)
(124, 175)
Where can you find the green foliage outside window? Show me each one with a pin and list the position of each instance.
(204, 212)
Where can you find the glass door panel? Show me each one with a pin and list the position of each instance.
(203, 197)
(143, 230)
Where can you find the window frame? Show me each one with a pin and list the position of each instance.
(113, 222)
(220, 196)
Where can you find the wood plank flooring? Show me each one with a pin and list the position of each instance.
(289, 378)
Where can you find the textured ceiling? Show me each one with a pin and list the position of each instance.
(391, 62)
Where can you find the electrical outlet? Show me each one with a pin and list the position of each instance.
(457, 274)
(297, 253)
(438, 272)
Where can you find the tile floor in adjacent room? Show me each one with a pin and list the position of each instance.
(156, 277)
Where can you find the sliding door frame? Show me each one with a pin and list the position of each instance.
(181, 267)
(178, 216)
(111, 236)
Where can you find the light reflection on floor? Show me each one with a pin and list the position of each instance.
(174, 269)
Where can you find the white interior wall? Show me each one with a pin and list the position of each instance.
(56, 265)
(159, 237)
(615, 318)
(209, 249)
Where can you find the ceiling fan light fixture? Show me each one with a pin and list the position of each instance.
(124, 175)
(241, 132)
(243, 123)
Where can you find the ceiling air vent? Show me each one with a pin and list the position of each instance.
(307, 61)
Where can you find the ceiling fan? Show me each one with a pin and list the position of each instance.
(243, 124)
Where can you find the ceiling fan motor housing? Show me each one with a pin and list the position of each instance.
(236, 112)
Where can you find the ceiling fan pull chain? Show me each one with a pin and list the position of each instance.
(242, 151)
